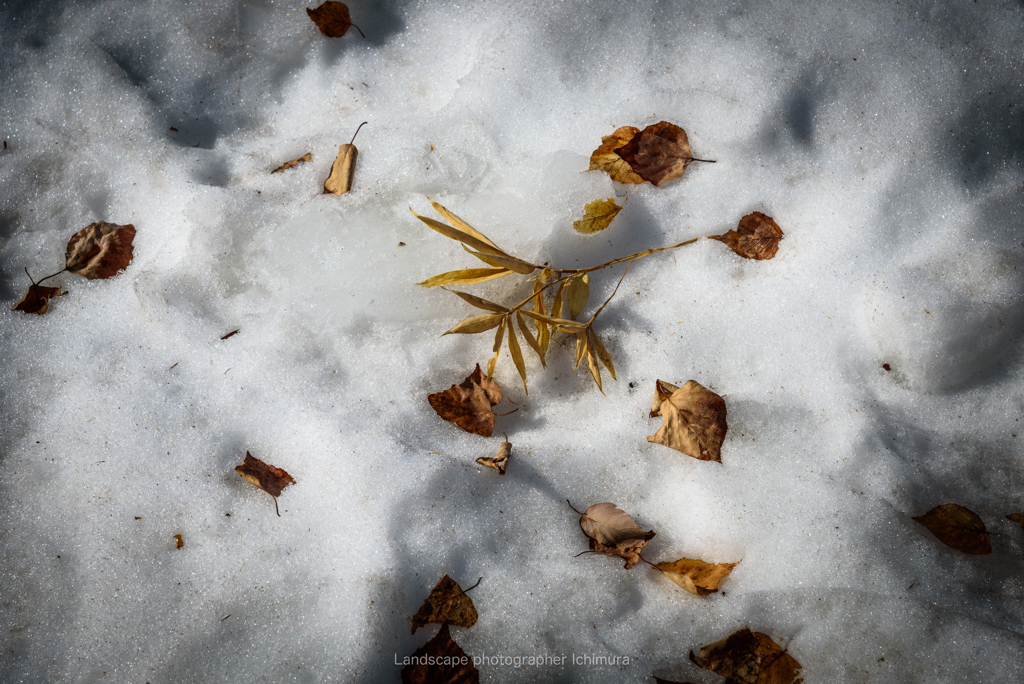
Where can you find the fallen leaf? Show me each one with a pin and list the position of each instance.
(270, 479)
(746, 657)
(468, 405)
(613, 533)
(294, 162)
(440, 661)
(577, 293)
(466, 276)
(37, 299)
(957, 528)
(100, 250)
(180, 541)
(597, 215)
(344, 166)
(1017, 518)
(500, 460)
(230, 334)
(693, 421)
(756, 237)
(696, 576)
(332, 18)
(659, 153)
(447, 604)
(605, 158)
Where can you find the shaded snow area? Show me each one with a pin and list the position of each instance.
(885, 138)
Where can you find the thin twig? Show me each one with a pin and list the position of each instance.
(592, 318)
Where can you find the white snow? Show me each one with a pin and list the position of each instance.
(887, 140)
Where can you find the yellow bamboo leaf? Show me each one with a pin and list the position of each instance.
(460, 224)
(594, 370)
(602, 353)
(578, 294)
(530, 339)
(476, 324)
(560, 323)
(597, 215)
(517, 353)
(456, 234)
(556, 305)
(491, 364)
(509, 262)
(500, 334)
(467, 276)
(478, 302)
(582, 344)
(543, 331)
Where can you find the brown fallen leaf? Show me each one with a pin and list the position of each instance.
(613, 533)
(270, 479)
(340, 180)
(605, 158)
(693, 420)
(294, 162)
(500, 461)
(756, 237)
(1017, 518)
(179, 540)
(659, 153)
(230, 334)
(332, 18)
(37, 299)
(447, 604)
(597, 215)
(957, 528)
(468, 404)
(746, 657)
(439, 661)
(100, 250)
(696, 576)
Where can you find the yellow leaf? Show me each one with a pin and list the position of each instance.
(500, 334)
(456, 234)
(556, 305)
(478, 302)
(581, 347)
(597, 215)
(467, 276)
(543, 331)
(340, 180)
(560, 323)
(476, 324)
(578, 294)
(605, 158)
(602, 353)
(696, 576)
(460, 224)
(517, 353)
(594, 370)
(530, 339)
(511, 263)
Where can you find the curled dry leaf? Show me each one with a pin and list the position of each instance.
(606, 159)
(332, 18)
(693, 420)
(746, 657)
(696, 576)
(614, 533)
(100, 250)
(756, 237)
(659, 153)
(1017, 518)
(468, 405)
(294, 162)
(37, 299)
(597, 215)
(179, 542)
(440, 661)
(344, 166)
(957, 528)
(447, 604)
(500, 460)
(269, 478)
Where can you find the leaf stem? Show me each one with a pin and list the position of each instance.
(629, 257)
(365, 122)
(621, 278)
(572, 507)
(47, 277)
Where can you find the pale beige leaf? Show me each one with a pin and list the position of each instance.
(456, 234)
(340, 180)
(467, 276)
(662, 391)
(602, 353)
(476, 324)
(578, 293)
(530, 339)
(517, 353)
(693, 422)
(560, 323)
(597, 215)
(460, 224)
(478, 302)
(511, 263)
(609, 525)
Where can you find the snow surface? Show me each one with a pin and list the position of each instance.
(886, 138)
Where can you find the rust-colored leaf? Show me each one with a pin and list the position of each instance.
(693, 421)
(696, 576)
(1017, 518)
(37, 299)
(439, 661)
(100, 250)
(294, 162)
(269, 478)
(500, 460)
(606, 159)
(613, 533)
(659, 153)
(756, 237)
(746, 657)
(179, 542)
(447, 604)
(957, 528)
(468, 405)
(597, 215)
(332, 18)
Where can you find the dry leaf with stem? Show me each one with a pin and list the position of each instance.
(447, 604)
(440, 661)
(344, 166)
(659, 153)
(500, 460)
(37, 299)
(756, 237)
(746, 657)
(606, 159)
(597, 215)
(696, 576)
(613, 533)
(693, 420)
(468, 405)
(294, 162)
(100, 250)
(958, 528)
(269, 478)
(333, 19)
